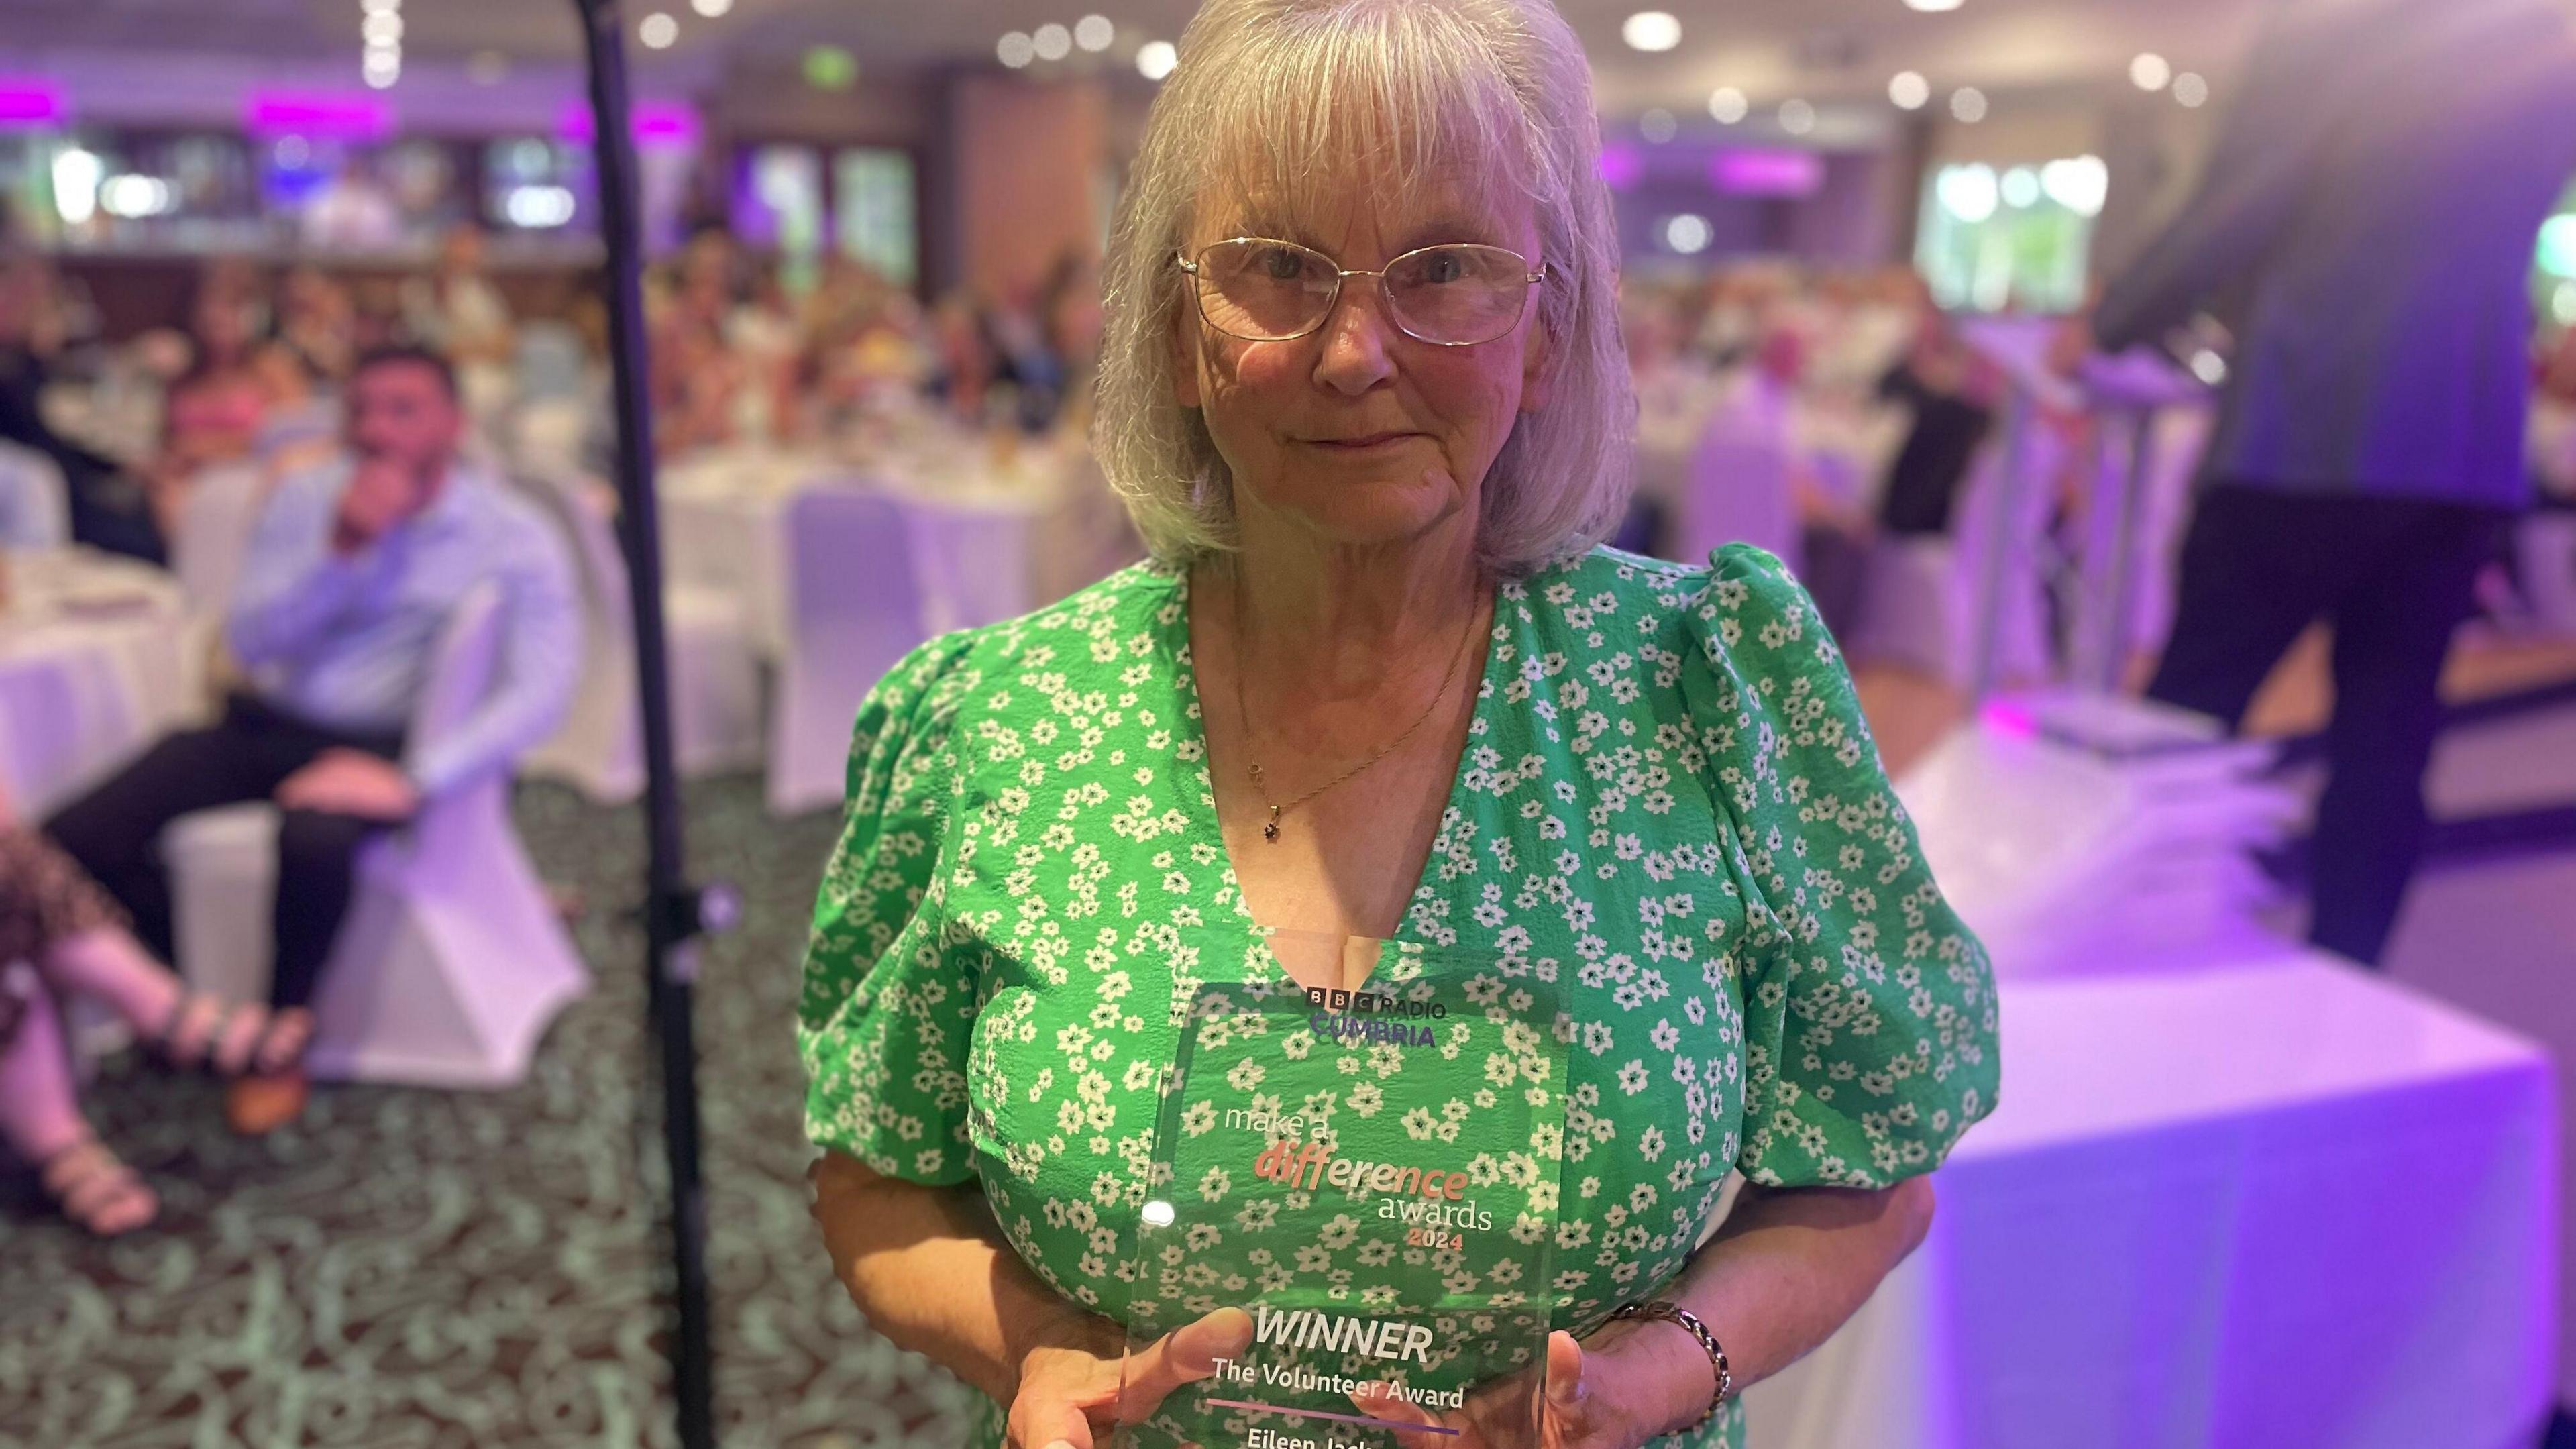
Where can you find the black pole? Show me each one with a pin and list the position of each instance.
(673, 910)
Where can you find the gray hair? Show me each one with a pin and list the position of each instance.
(1282, 94)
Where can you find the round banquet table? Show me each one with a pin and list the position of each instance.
(97, 660)
(970, 525)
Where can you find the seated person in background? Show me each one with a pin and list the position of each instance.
(353, 572)
(64, 938)
(213, 412)
(108, 510)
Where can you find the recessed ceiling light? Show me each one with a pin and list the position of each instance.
(1797, 117)
(1651, 30)
(1094, 32)
(381, 29)
(1015, 49)
(1728, 105)
(379, 7)
(657, 31)
(1968, 104)
(1052, 42)
(1909, 90)
(1657, 125)
(1155, 59)
(2191, 90)
(2150, 71)
(711, 8)
(1932, 7)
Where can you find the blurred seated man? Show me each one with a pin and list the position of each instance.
(354, 570)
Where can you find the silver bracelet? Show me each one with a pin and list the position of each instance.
(1675, 1313)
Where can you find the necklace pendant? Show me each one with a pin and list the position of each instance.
(1270, 827)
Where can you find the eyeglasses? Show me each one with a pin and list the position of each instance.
(1456, 294)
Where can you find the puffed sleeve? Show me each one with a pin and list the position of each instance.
(883, 1022)
(1869, 1034)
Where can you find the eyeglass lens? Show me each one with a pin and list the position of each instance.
(1270, 291)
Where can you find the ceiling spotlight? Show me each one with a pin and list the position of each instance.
(379, 7)
(712, 9)
(1015, 49)
(1968, 104)
(381, 69)
(1052, 42)
(1687, 234)
(2150, 71)
(1657, 125)
(658, 31)
(381, 29)
(1797, 117)
(1651, 30)
(2190, 90)
(1094, 32)
(1909, 90)
(1155, 59)
(1932, 7)
(1728, 105)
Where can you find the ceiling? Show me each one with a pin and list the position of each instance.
(1773, 49)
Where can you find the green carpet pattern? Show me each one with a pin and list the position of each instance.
(421, 1270)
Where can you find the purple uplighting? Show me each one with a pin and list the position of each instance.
(317, 113)
(1622, 166)
(30, 101)
(1767, 173)
(656, 123)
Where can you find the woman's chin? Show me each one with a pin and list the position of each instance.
(1372, 514)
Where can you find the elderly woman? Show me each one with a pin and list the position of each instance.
(1364, 393)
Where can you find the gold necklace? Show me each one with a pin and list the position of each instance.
(1243, 717)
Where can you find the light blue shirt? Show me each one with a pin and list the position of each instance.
(346, 641)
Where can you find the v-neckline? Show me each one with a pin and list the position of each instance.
(1202, 811)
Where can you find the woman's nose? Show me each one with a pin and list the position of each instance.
(1355, 333)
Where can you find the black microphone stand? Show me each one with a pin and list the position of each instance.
(675, 912)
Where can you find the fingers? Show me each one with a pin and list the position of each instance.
(1379, 1401)
(1564, 1371)
(1184, 1355)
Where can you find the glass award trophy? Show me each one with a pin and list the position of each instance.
(1362, 1180)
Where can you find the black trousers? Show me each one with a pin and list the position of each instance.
(2393, 577)
(115, 830)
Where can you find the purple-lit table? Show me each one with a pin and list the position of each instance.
(2268, 1201)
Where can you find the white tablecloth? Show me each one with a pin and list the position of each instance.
(2275, 1203)
(972, 528)
(96, 661)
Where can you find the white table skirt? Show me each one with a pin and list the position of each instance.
(95, 663)
(2266, 1204)
(972, 544)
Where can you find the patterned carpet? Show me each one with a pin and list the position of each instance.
(420, 1270)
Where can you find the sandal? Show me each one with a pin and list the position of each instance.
(98, 1191)
(283, 1036)
(231, 1038)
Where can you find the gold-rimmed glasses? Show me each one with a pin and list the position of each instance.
(1455, 294)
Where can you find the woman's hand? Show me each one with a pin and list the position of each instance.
(1070, 1396)
(1617, 1390)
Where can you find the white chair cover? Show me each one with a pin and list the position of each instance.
(1738, 493)
(35, 502)
(854, 605)
(215, 524)
(452, 961)
(715, 674)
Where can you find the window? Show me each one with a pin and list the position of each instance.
(2010, 240)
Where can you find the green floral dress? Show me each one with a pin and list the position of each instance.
(1669, 807)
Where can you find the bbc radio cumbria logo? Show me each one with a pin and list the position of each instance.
(1372, 1017)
